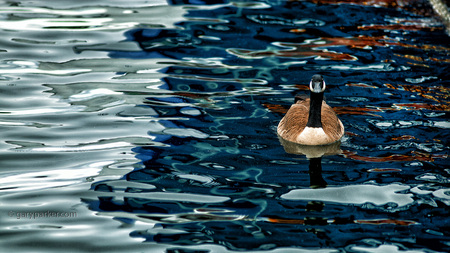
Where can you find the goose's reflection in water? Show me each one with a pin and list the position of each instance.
(314, 154)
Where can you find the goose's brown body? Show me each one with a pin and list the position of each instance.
(293, 127)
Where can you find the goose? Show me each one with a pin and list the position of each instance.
(311, 121)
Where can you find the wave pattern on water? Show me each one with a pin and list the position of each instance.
(169, 113)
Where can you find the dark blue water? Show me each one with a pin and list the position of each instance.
(156, 124)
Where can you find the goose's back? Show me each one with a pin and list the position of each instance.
(331, 124)
(294, 123)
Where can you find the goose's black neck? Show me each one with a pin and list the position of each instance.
(315, 110)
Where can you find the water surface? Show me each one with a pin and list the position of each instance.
(151, 126)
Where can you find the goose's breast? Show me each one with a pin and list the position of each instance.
(313, 136)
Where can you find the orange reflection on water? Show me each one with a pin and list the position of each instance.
(302, 87)
(353, 155)
(194, 95)
(361, 85)
(446, 60)
(276, 108)
(353, 42)
(403, 137)
(436, 93)
(439, 94)
(415, 155)
(357, 42)
(410, 5)
(425, 157)
(384, 170)
(319, 48)
(399, 27)
(356, 110)
(384, 3)
(414, 58)
(411, 57)
(351, 134)
(387, 41)
(286, 221)
(419, 106)
(387, 221)
(440, 49)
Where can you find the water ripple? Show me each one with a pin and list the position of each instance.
(355, 194)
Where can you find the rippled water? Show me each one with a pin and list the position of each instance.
(146, 126)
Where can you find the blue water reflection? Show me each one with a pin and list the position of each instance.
(219, 174)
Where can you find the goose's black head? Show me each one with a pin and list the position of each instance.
(317, 84)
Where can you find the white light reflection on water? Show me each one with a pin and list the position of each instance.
(43, 71)
(384, 249)
(38, 24)
(43, 111)
(50, 178)
(36, 10)
(355, 194)
(113, 143)
(90, 19)
(168, 196)
(89, 94)
(80, 148)
(30, 67)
